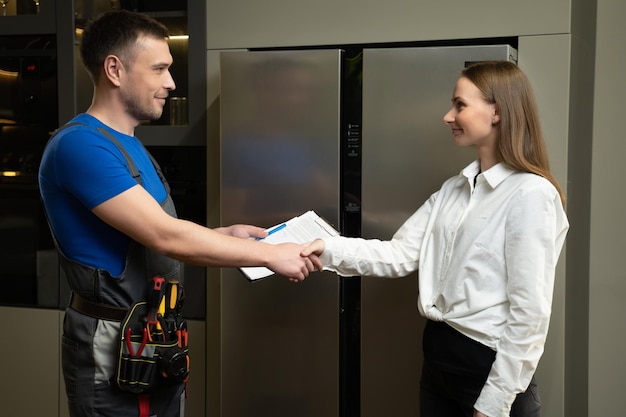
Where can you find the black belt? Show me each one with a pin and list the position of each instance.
(97, 310)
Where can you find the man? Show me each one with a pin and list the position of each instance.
(113, 219)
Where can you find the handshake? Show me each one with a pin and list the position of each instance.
(290, 259)
(309, 254)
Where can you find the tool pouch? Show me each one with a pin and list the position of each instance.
(150, 356)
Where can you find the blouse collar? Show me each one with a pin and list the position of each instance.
(494, 175)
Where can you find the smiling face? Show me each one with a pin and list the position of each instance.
(472, 119)
(147, 80)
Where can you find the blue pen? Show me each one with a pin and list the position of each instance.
(274, 230)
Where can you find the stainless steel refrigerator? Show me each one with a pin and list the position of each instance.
(355, 134)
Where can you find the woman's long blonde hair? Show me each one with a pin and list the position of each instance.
(520, 142)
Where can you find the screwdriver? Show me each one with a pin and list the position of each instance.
(170, 301)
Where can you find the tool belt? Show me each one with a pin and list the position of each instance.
(153, 341)
(154, 346)
(97, 310)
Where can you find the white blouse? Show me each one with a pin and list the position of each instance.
(486, 255)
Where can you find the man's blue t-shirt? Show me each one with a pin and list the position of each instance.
(80, 169)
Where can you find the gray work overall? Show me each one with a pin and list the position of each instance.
(89, 347)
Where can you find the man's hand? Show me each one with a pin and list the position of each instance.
(243, 231)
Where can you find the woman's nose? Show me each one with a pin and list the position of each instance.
(448, 117)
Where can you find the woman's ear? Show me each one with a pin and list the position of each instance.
(495, 119)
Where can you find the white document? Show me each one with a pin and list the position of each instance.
(301, 229)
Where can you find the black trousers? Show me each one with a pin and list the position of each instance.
(454, 371)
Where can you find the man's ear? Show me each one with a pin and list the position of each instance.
(112, 68)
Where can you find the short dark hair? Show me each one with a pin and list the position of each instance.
(115, 32)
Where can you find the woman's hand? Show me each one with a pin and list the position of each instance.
(316, 247)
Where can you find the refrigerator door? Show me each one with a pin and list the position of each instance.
(280, 158)
(407, 154)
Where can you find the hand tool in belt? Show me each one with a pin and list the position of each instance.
(154, 317)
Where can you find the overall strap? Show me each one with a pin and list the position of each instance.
(134, 172)
(133, 168)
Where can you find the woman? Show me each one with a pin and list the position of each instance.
(486, 246)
